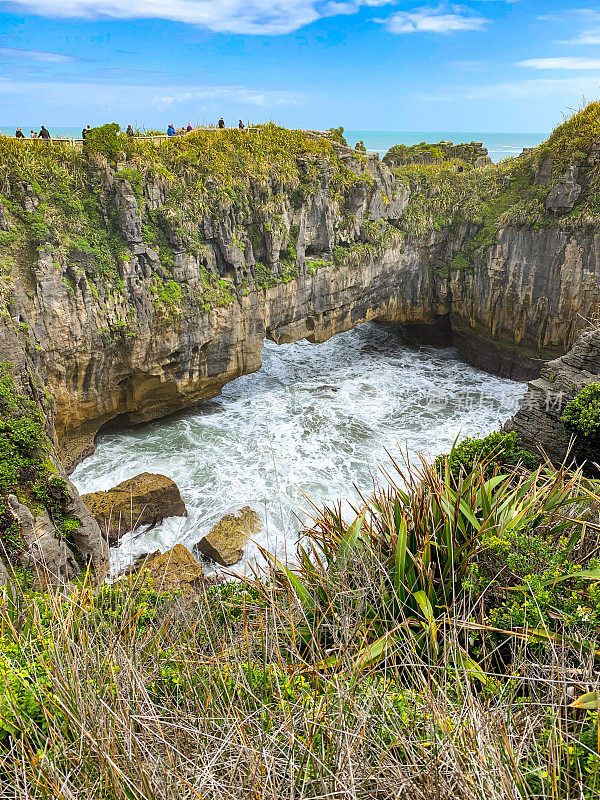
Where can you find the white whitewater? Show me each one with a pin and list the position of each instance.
(314, 421)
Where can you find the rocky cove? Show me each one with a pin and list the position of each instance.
(313, 423)
(138, 279)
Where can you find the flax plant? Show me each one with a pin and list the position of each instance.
(399, 568)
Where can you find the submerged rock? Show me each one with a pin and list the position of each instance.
(146, 499)
(327, 388)
(226, 540)
(174, 571)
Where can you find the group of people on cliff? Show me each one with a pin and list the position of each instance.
(44, 133)
(220, 125)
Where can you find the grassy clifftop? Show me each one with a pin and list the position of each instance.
(57, 195)
(516, 192)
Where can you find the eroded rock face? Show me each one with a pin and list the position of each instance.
(226, 540)
(46, 555)
(527, 299)
(88, 538)
(88, 351)
(565, 194)
(538, 421)
(146, 499)
(105, 352)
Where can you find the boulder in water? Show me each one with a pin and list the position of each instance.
(146, 499)
(174, 571)
(226, 540)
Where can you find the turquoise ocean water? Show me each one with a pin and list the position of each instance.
(500, 145)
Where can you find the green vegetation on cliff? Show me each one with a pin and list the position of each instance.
(513, 193)
(572, 140)
(494, 452)
(26, 469)
(581, 418)
(61, 199)
(74, 205)
(460, 155)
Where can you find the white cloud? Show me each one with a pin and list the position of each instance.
(574, 88)
(35, 55)
(567, 63)
(160, 97)
(432, 20)
(588, 36)
(232, 16)
(585, 37)
(154, 106)
(239, 94)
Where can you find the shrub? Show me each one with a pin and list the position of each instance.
(104, 139)
(399, 571)
(492, 452)
(582, 418)
(337, 135)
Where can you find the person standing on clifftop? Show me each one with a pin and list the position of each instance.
(129, 131)
(85, 132)
(189, 127)
(241, 126)
(221, 123)
(171, 130)
(19, 134)
(44, 134)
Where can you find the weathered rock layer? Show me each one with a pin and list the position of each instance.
(538, 421)
(103, 353)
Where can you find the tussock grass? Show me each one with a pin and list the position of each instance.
(574, 137)
(264, 689)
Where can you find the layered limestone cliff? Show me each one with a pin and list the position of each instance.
(538, 422)
(473, 153)
(138, 278)
(176, 297)
(527, 298)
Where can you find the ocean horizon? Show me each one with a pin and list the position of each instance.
(500, 144)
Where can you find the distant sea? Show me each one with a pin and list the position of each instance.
(500, 145)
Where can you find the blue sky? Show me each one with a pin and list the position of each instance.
(481, 65)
